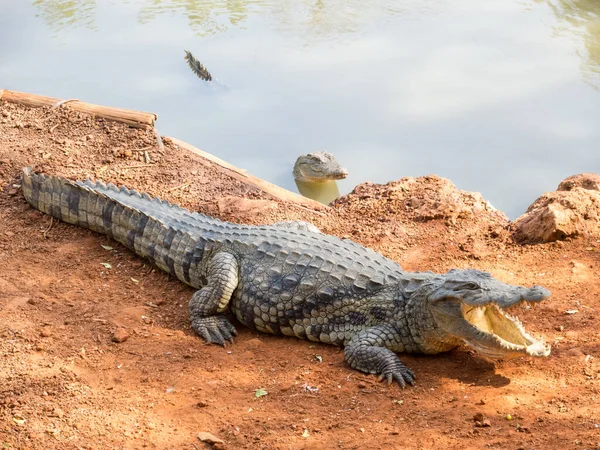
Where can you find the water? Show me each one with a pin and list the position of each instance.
(501, 96)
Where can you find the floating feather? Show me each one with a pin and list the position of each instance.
(197, 67)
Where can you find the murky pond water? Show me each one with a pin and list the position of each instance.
(501, 96)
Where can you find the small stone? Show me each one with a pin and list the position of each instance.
(57, 412)
(46, 332)
(12, 192)
(560, 328)
(120, 335)
(209, 438)
(128, 153)
(362, 385)
(483, 424)
(481, 421)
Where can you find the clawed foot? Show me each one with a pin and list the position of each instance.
(368, 353)
(214, 329)
(396, 371)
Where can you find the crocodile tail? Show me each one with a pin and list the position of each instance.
(197, 67)
(55, 196)
(104, 209)
(81, 205)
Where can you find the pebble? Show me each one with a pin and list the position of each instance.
(120, 335)
(481, 421)
(209, 438)
(46, 332)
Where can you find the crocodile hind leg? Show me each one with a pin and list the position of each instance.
(368, 352)
(222, 279)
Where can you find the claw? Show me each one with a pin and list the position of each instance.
(402, 375)
(214, 329)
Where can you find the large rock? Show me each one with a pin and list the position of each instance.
(573, 210)
(590, 181)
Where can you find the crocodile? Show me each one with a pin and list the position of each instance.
(318, 167)
(295, 281)
(197, 67)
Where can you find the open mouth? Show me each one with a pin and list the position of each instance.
(496, 334)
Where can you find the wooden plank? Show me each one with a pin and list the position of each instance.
(138, 119)
(243, 176)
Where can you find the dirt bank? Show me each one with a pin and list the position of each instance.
(65, 383)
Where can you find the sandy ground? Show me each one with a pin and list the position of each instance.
(65, 383)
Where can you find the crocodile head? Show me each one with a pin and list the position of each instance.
(471, 306)
(318, 167)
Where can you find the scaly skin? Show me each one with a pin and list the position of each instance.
(293, 281)
(318, 167)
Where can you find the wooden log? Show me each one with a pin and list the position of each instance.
(132, 118)
(243, 176)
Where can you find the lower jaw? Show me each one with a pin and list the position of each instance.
(536, 349)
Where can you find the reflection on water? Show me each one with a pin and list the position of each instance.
(61, 14)
(204, 17)
(581, 18)
(322, 192)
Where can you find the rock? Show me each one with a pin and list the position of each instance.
(580, 270)
(590, 181)
(254, 343)
(232, 205)
(561, 214)
(209, 438)
(481, 421)
(46, 332)
(120, 335)
(484, 423)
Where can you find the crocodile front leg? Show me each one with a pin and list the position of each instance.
(368, 352)
(222, 279)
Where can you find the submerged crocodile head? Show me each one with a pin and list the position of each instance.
(471, 306)
(318, 167)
